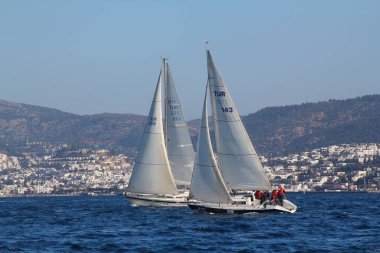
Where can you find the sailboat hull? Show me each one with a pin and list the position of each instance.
(240, 208)
(137, 199)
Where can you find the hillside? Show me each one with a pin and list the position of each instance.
(310, 125)
(21, 122)
(273, 130)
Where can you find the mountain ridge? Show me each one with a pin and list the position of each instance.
(280, 129)
(299, 127)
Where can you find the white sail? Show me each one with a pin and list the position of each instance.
(239, 163)
(151, 173)
(207, 183)
(178, 143)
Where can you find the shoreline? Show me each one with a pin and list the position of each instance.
(120, 194)
(56, 195)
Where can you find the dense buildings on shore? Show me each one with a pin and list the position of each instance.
(45, 169)
(347, 167)
(58, 169)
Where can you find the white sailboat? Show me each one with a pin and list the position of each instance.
(152, 182)
(238, 167)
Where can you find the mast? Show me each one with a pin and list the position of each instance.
(165, 62)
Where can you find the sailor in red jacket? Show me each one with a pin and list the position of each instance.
(258, 194)
(281, 195)
(273, 198)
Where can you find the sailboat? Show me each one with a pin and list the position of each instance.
(225, 182)
(163, 160)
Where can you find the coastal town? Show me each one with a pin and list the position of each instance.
(347, 167)
(47, 169)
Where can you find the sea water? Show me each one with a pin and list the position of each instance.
(324, 222)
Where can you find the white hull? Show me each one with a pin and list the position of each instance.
(138, 199)
(234, 208)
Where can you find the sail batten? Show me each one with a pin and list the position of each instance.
(238, 161)
(178, 143)
(151, 172)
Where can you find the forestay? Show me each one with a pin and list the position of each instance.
(238, 161)
(179, 146)
(151, 173)
(207, 183)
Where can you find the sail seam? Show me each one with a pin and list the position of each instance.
(217, 85)
(211, 166)
(228, 120)
(238, 154)
(151, 163)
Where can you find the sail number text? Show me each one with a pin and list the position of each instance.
(223, 94)
(219, 93)
(227, 109)
(174, 109)
(152, 121)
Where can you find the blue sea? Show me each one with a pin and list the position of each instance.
(324, 222)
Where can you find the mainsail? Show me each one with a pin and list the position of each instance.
(239, 163)
(207, 183)
(178, 143)
(151, 173)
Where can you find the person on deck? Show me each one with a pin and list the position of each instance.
(274, 197)
(264, 197)
(258, 194)
(281, 195)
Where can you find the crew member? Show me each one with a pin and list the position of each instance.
(264, 197)
(274, 197)
(258, 194)
(281, 195)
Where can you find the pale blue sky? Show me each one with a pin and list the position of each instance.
(92, 56)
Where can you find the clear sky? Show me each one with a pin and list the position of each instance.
(92, 56)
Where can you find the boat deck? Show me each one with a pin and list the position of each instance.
(238, 208)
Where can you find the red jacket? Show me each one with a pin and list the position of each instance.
(281, 191)
(274, 194)
(258, 194)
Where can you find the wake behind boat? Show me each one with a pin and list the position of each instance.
(163, 161)
(237, 168)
